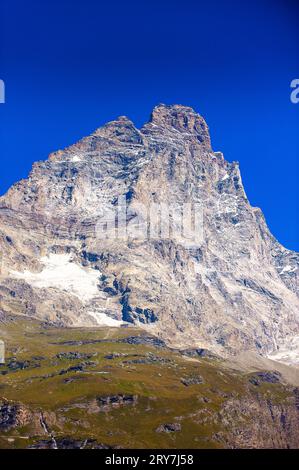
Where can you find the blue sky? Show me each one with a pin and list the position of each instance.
(70, 66)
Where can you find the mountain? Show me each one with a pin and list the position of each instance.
(81, 244)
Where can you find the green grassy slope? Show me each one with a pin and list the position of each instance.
(210, 404)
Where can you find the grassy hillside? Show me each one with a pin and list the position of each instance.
(120, 387)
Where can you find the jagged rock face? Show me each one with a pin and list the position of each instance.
(235, 289)
(13, 415)
(272, 425)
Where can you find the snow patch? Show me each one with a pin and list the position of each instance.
(61, 272)
(104, 320)
(288, 269)
(287, 353)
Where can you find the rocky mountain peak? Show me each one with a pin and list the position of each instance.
(235, 289)
(122, 129)
(182, 119)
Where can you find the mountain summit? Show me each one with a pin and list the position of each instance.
(182, 119)
(96, 236)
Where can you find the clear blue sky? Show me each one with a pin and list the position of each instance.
(69, 66)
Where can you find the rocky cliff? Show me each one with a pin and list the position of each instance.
(93, 237)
